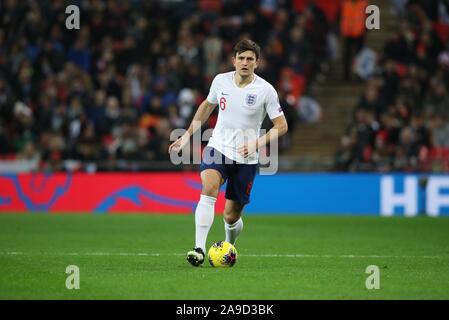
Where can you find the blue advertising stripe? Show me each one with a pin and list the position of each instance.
(301, 193)
(29, 203)
(350, 194)
(132, 193)
(5, 200)
(198, 186)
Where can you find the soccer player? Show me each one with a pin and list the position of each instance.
(244, 99)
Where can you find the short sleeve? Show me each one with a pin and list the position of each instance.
(212, 96)
(273, 107)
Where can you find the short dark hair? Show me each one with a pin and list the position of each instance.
(247, 45)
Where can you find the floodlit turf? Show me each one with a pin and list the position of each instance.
(280, 257)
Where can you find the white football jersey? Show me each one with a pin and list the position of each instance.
(241, 113)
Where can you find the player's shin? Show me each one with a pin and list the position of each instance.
(204, 217)
(233, 230)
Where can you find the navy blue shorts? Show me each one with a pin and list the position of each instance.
(239, 176)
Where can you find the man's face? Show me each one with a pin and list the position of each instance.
(245, 63)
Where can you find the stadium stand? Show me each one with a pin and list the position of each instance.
(106, 96)
(400, 123)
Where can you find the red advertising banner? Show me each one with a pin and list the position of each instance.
(102, 192)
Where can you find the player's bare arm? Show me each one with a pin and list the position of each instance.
(280, 128)
(202, 114)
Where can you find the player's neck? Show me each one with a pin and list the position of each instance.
(243, 81)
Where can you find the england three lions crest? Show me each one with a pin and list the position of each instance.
(251, 99)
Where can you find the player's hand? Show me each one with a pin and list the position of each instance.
(247, 149)
(179, 144)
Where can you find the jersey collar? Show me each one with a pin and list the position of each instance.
(248, 85)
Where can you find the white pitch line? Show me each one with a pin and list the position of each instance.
(350, 256)
(336, 256)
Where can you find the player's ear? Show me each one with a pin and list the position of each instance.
(233, 61)
(257, 63)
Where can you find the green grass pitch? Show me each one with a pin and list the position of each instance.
(280, 257)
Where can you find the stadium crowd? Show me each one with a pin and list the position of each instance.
(107, 96)
(401, 122)
(113, 91)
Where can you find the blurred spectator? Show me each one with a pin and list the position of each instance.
(80, 55)
(396, 48)
(29, 152)
(345, 155)
(186, 103)
(212, 48)
(440, 131)
(53, 146)
(111, 118)
(352, 29)
(437, 102)
(96, 111)
(370, 101)
(406, 152)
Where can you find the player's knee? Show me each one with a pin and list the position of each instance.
(210, 189)
(231, 216)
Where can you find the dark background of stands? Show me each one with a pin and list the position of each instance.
(106, 97)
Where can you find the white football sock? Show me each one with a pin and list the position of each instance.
(204, 217)
(233, 231)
